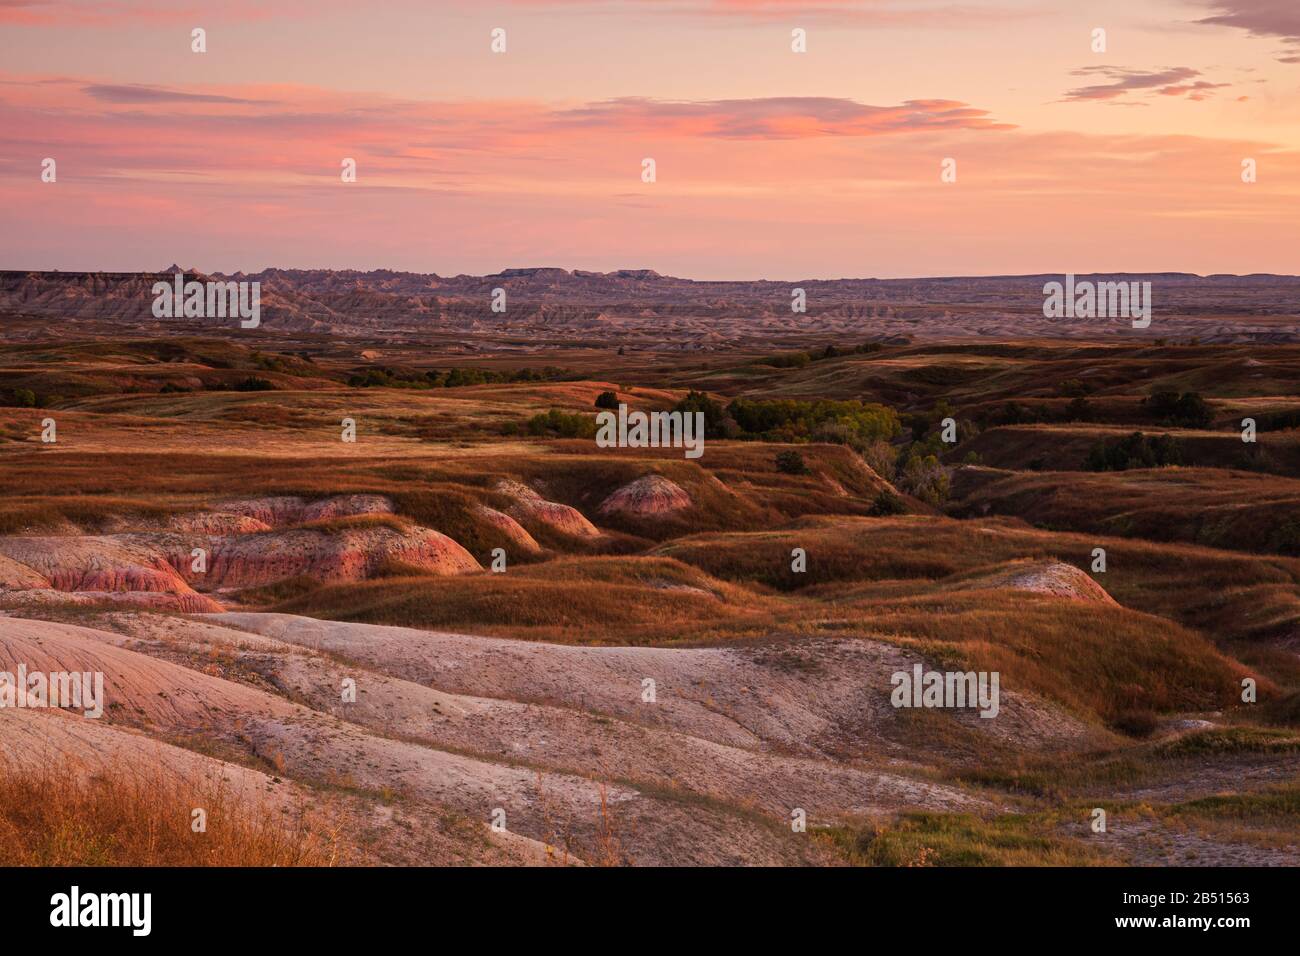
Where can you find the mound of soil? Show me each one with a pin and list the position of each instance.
(1045, 577)
(93, 563)
(647, 497)
(530, 506)
(511, 528)
(350, 554)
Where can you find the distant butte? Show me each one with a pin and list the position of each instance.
(641, 309)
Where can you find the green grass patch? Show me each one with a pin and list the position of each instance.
(961, 839)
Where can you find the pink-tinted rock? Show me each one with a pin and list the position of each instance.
(94, 563)
(508, 526)
(648, 497)
(352, 554)
(530, 506)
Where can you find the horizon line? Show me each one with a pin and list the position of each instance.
(515, 271)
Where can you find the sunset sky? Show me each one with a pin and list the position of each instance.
(770, 163)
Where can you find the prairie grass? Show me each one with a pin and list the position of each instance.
(571, 600)
(359, 522)
(1065, 447)
(1234, 510)
(1278, 806)
(63, 816)
(1095, 659)
(1230, 740)
(962, 839)
(1236, 596)
(34, 514)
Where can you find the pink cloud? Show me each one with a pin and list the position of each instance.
(119, 129)
(1175, 81)
(790, 117)
(1260, 18)
(244, 176)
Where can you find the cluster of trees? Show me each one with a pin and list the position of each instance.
(561, 424)
(868, 428)
(1134, 451)
(252, 384)
(850, 422)
(1168, 408)
(18, 398)
(918, 469)
(1286, 537)
(924, 477)
(1255, 458)
(717, 422)
(26, 398)
(271, 363)
(802, 359)
(1275, 421)
(1074, 388)
(1077, 409)
(453, 378)
(1188, 410)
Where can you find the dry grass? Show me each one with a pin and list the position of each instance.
(453, 510)
(63, 816)
(573, 600)
(1102, 662)
(1235, 596)
(1065, 447)
(29, 514)
(837, 550)
(361, 522)
(1094, 659)
(1220, 509)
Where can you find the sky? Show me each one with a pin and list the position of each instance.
(768, 163)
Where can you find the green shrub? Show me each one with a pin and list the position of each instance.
(561, 424)
(717, 424)
(791, 463)
(880, 457)
(887, 503)
(254, 384)
(1134, 451)
(1188, 410)
(925, 478)
(786, 360)
(852, 422)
